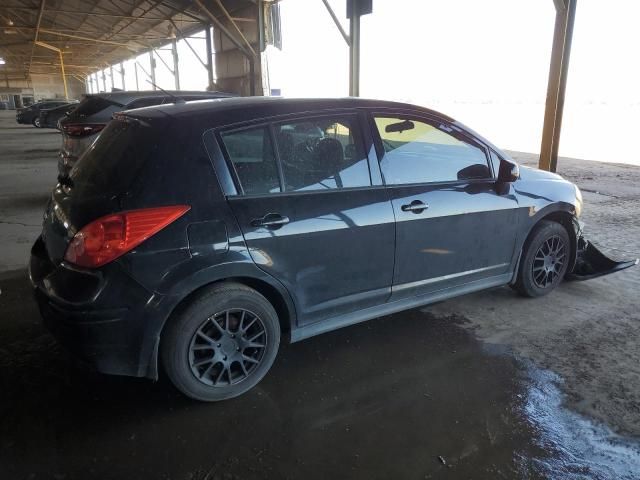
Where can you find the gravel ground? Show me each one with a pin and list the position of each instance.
(587, 332)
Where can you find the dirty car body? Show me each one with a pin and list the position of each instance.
(322, 207)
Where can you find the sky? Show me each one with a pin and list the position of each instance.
(484, 62)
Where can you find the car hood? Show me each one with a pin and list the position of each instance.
(528, 173)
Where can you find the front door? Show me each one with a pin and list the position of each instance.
(453, 225)
(310, 215)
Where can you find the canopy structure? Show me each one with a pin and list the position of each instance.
(75, 38)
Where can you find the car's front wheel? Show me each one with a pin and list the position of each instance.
(544, 260)
(36, 122)
(222, 343)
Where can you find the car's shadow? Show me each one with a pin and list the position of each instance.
(382, 399)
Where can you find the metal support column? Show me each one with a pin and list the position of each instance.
(111, 77)
(354, 50)
(135, 69)
(209, 57)
(176, 71)
(122, 75)
(561, 50)
(104, 81)
(152, 63)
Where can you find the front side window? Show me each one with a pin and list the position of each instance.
(416, 151)
(322, 153)
(251, 154)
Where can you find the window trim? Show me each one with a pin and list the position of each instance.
(269, 123)
(430, 120)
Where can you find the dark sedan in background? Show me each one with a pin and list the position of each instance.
(81, 127)
(197, 235)
(49, 117)
(31, 114)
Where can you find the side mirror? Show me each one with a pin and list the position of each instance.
(508, 172)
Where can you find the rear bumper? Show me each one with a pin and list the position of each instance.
(103, 316)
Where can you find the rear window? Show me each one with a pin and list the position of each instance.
(93, 105)
(116, 157)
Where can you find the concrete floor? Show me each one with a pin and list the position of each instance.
(484, 386)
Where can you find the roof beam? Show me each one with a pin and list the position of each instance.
(98, 14)
(35, 35)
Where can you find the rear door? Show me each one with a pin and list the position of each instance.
(312, 213)
(453, 225)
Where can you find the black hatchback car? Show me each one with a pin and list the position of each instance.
(199, 235)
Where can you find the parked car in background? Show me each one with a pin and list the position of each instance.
(31, 114)
(198, 235)
(49, 117)
(83, 125)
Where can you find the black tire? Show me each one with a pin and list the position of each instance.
(544, 261)
(205, 350)
(36, 122)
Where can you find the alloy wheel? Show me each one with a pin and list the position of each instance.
(227, 348)
(549, 261)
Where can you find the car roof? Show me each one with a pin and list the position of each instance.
(270, 106)
(126, 97)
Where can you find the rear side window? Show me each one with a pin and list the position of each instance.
(253, 159)
(417, 151)
(322, 153)
(92, 105)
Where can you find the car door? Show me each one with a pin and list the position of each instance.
(311, 212)
(454, 226)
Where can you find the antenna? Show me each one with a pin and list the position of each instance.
(177, 99)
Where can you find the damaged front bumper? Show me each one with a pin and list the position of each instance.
(592, 263)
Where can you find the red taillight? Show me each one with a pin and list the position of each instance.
(82, 130)
(109, 237)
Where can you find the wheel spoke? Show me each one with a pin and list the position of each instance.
(203, 347)
(254, 345)
(207, 370)
(257, 335)
(244, 368)
(202, 362)
(219, 376)
(255, 319)
(205, 337)
(250, 359)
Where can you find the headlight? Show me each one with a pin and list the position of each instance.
(578, 202)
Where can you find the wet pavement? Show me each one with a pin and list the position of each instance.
(405, 396)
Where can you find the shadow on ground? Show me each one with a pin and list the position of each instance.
(405, 396)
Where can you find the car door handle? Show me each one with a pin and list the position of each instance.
(272, 220)
(416, 207)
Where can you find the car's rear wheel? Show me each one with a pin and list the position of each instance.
(222, 343)
(544, 260)
(36, 122)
